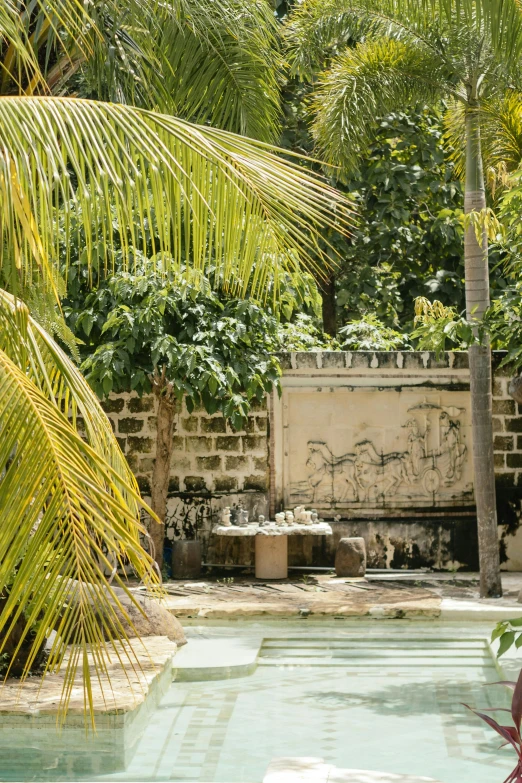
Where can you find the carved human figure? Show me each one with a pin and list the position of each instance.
(451, 445)
(416, 446)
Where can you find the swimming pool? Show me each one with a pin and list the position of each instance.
(360, 694)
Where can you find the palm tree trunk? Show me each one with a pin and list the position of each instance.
(327, 288)
(167, 408)
(477, 300)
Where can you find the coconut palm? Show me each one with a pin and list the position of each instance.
(417, 51)
(119, 175)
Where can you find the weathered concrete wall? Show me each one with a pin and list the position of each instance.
(379, 442)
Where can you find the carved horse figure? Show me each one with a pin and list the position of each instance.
(384, 473)
(329, 476)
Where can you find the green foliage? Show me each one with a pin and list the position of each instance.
(408, 241)
(217, 350)
(509, 632)
(439, 328)
(303, 334)
(370, 334)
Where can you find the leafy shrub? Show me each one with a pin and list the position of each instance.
(370, 334)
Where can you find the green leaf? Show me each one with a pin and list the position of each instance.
(506, 641)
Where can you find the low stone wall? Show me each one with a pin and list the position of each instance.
(362, 402)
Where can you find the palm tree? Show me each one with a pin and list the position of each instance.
(417, 51)
(127, 174)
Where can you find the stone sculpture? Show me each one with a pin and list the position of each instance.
(225, 517)
(280, 518)
(350, 558)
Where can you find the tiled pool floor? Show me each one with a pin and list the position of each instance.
(381, 695)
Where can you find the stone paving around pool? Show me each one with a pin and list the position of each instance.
(381, 595)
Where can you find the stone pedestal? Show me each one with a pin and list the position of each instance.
(271, 557)
(186, 559)
(350, 558)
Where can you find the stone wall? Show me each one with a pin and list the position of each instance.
(213, 466)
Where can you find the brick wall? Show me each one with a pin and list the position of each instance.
(212, 465)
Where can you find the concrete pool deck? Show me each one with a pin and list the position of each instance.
(380, 595)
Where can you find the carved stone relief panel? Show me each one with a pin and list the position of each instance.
(363, 449)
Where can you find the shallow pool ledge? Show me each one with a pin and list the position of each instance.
(128, 688)
(29, 712)
(217, 659)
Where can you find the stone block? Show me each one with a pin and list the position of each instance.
(190, 423)
(152, 423)
(180, 462)
(350, 557)
(186, 559)
(503, 443)
(460, 360)
(499, 460)
(513, 425)
(519, 442)
(498, 371)
(216, 424)
(140, 404)
(498, 391)
(260, 464)
(199, 445)
(256, 483)
(122, 443)
(498, 425)
(361, 359)
(254, 443)
(174, 484)
(333, 360)
(195, 484)
(306, 360)
(228, 443)
(237, 463)
(515, 388)
(225, 483)
(140, 445)
(113, 405)
(504, 407)
(143, 484)
(178, 443)
(258, 407)
(132, 461)
(261, 423)
(413, 360)
(285, 360)
(208, 463)
(506, 480)
(130, 425)
(146, 465)
(514, 460)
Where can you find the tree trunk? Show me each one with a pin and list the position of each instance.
(477, 300)
(167, 408)
(327, 288)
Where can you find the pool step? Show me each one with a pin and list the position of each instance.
(375, 652)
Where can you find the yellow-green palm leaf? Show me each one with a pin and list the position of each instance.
(65, 525)
(211, 197)
(33, 351)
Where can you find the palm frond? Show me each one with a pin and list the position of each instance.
(220, 64)
(65, 524)
(499, 24)
(44, 363)
(501, 136)
(211, 197)
(366, 82)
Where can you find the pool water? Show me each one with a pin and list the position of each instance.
(383, 695)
